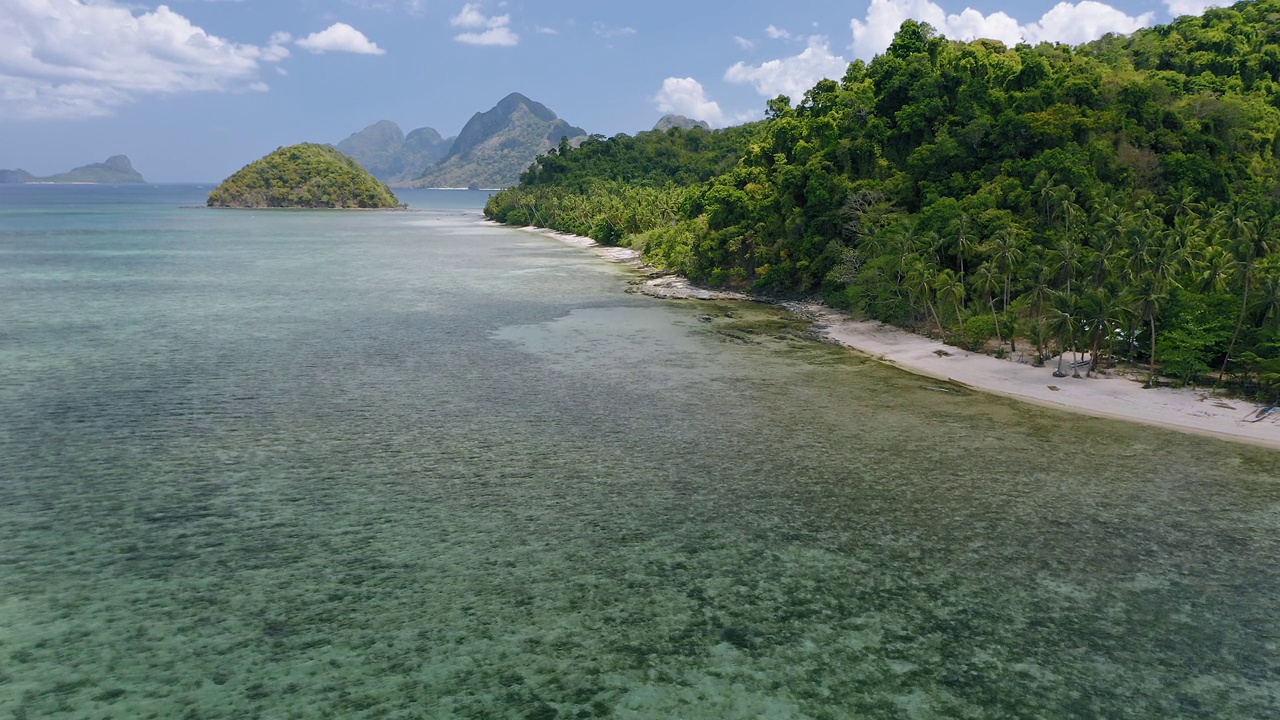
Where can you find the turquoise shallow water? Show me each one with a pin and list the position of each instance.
(306, 464)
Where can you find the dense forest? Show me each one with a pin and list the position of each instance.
(303, 176)
(1120, 198)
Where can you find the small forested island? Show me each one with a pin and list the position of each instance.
(1119, 198)
(308, 175)
(116, 170)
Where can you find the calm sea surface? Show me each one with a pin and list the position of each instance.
(307, 464)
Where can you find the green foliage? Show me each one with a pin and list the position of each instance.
(303, 176)
(1118, 198)
(977, 331)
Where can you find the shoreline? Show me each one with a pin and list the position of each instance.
(1113, 397)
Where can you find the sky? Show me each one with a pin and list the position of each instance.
(193, 90)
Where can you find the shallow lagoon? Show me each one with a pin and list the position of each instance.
(407, 465)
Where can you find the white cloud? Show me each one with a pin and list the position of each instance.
(1065, 22)
(502, 36)
(791, 76)
(275, 50)
(471, 17)
(777, 33)
(340, 37)
(545, 30)
(1178, 8)
(494, 30)
(685, 96)
(416, 8)
(1086, 20)
(609, 33)
(68, 59)
(743, 43)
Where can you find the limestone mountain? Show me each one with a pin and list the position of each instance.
(680, 121)
(496, 146)
(12, 177)
(391, 156)
(117, 169)
(303, 176)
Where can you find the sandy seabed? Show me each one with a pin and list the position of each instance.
(1118, 397)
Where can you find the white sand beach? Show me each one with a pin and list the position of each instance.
(1110, 396)
(1113, 396)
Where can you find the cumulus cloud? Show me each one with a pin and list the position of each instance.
(340, 37)
(742, 42)
(686, 96)
(777, 33)
(791, 76)
(69, 59)
(483, 29)
(1065, 22)
(1178, 8)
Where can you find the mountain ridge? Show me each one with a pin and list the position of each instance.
(116, 169)
(672, 120)
(391, 155)
(496, 146)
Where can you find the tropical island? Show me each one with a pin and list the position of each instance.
(1112, 204)
(116, 170)
(308, 175)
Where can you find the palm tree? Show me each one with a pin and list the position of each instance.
(1038, 297)
(1268, 303)
(919, 280)
(948, 288)
(988, 279)
(1066, 259)
(963, 239)
(1146, 296)
(1104, 254)
(1008, 253)
(1249, 241)
(1215, 267)
(1008, 246)
(1101, 316)
(1062, 324)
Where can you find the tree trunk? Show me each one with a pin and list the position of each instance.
(1093, 350)
(995, 319)
(934, 313)
(1244, 307)
(1151, 367)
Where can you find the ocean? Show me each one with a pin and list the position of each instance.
(296, 464)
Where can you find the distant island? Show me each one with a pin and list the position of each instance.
(496, 146)
(117, 169)
(680, 121)
(493, 150)
(308, 175)
(392, 156)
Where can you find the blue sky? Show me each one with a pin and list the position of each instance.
(193, 90)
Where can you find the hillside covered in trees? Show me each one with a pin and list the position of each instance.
(1120, 197)
(303, 176)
